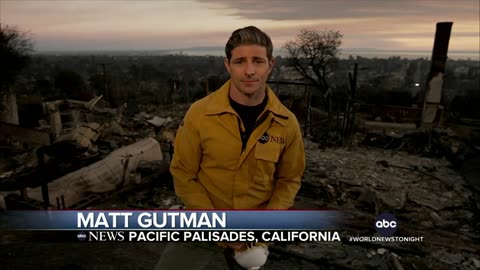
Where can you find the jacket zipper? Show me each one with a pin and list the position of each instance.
(243, 134)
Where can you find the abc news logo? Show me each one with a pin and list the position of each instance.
(101, 236)
(386, 224)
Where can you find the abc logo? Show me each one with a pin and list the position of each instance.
(81, 236)
(386, 224)
(264, 139)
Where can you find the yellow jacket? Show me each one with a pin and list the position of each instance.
(210, 171)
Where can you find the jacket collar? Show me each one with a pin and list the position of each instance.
(219, 102)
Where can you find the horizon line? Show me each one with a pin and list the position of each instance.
(220, 47)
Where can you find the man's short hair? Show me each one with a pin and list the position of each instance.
(249, 35)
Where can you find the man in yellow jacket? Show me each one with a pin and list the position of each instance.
(239, 147)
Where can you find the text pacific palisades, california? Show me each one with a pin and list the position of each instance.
(101, 220)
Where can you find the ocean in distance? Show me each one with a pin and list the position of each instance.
(219, 51)
(345, 53)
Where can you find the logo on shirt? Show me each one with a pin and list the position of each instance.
(264, 139)
(267, 138)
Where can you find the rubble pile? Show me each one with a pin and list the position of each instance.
(428, 197)
(86, 141)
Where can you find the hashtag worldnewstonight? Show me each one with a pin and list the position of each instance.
(407, 239)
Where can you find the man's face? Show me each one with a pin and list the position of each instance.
(249, 68)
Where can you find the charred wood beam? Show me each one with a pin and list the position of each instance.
(433, 91)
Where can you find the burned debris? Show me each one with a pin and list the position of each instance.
(81, 158)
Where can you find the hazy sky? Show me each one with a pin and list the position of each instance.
(165, 24)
